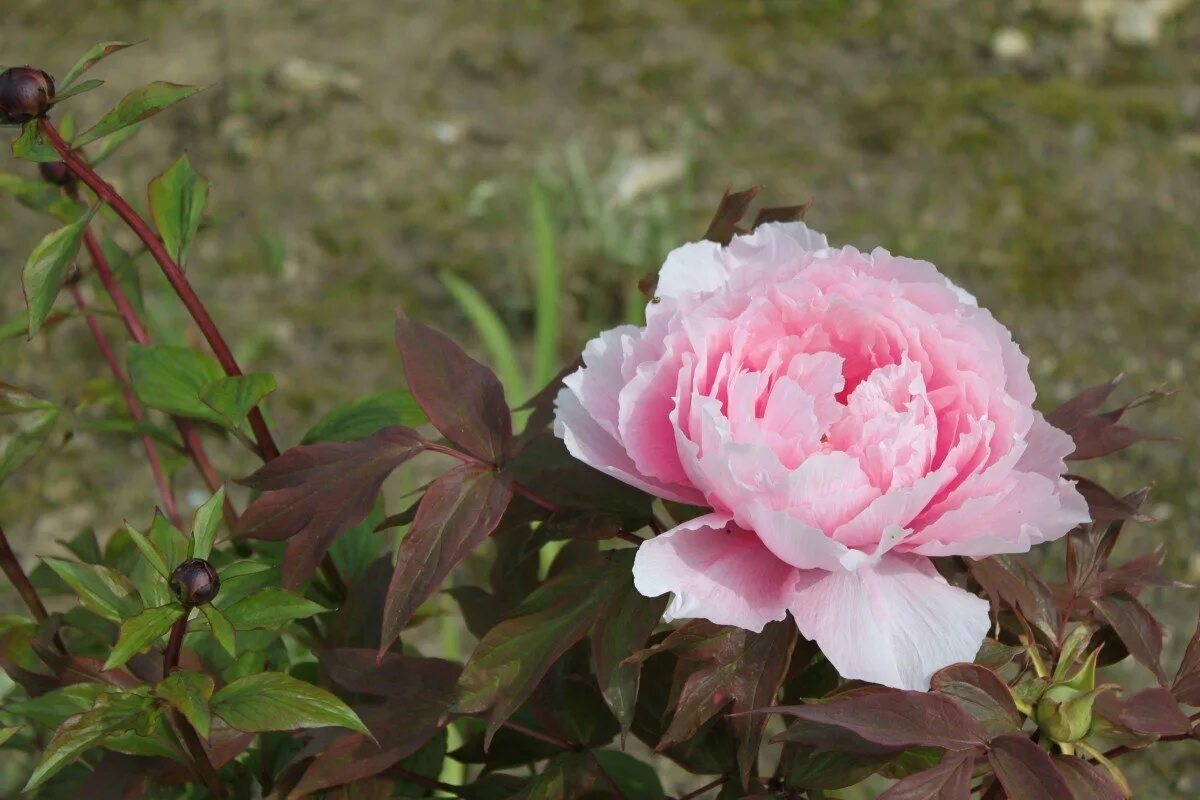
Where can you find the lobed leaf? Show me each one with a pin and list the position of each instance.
(982, 694)
(949, 780)
(622, 628)
(1154, 712)
(1087, 781)
(732, 208)
(136, 106)
(1137, 628)
(1025, 770)
(512, 657)
(458, 512)
(1186, 685)
(177, 199)
(315, 493)
(32, 146)
(463, 398)
(892, 719)
(272, 701)
(221, 629)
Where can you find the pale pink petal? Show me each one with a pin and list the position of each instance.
(895, 623)
(590, 443)
(695, 267)
(1032, 509)
(715, 571)
(644, 421)
(603, 369)
(1046, 448)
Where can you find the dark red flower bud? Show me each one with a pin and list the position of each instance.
(25, 93)
(195, 582)
(56, 172)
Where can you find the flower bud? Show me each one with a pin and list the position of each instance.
(56, 172)
(195, 582)
(1064, 711)
(25, 93)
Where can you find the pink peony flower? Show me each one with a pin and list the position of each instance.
(845, 416)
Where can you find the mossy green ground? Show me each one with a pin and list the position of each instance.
(1036, 151)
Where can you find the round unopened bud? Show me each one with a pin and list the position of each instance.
(195, 582)
(56, 172)
(25, 93)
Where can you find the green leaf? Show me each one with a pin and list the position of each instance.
(43, 197)
(204, 529)
(113, 143)
(633, 778)
(102, 590)
(36, 418)
(113, 712)
(32, 146)
(171, 379)
(8, 733)
(149, 552)
(47, 267)
(362, 418)
(270, 608)
(492, 331)
(89, 59)
(177, 199)
(138, 633)
(51, 708)
(232, 397)
(222, 631)
(547, 289)
(273, 701)
(136, 106)
(173, 545)
(190, 693)
(82, 88)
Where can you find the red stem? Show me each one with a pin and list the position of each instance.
(137, 331)
(187, 734)
(135, 410)
(12, 568)
(705, 788)
(175, 276)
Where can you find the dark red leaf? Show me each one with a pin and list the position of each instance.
(982, 694)
(1154, 712)
(1096, 437)
(513, 657)
(1025, 770)
(896, 719)
(462, 398)
(1137, 628)
(1087, 781)
(622, 628)
(1072, 412)
(733, 207)
(1186, 686)
(418, 690)
(781, 213)
(949, 780)
(1103, 505)
(316, 492)
(1133, 576)
(457, 513)
(1013, 583)
(1088, 548)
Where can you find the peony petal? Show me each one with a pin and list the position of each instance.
(717, 572)
(895, 623)
(695, 267)
(590, 443)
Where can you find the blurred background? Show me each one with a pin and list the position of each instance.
(499, 166)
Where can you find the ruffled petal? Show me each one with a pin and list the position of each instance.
(717, 572)
(894, 624)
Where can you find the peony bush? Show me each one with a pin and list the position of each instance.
(769, 544)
